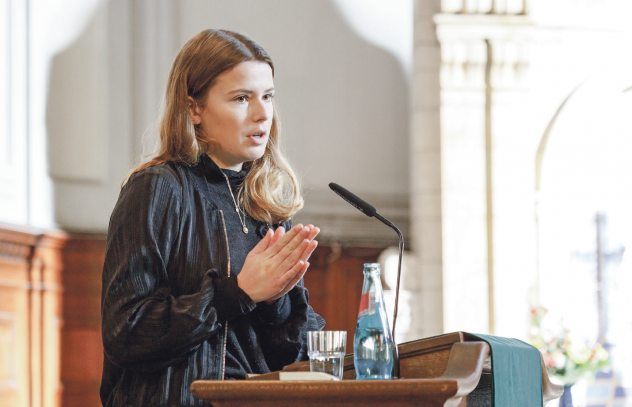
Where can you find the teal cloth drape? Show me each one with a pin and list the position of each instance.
(516, 372)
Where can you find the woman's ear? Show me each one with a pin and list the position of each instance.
(195, 111)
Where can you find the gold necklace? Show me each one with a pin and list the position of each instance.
(243, 222)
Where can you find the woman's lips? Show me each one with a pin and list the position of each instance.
(261, 139)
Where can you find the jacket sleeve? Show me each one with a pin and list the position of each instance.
(144, 326)
(286, 343)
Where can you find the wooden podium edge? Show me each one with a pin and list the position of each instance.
(462, 374)
(434, 392)
(466, 363)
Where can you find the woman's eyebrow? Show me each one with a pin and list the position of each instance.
(249, 92)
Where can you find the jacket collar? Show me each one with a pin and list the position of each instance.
(214, 173)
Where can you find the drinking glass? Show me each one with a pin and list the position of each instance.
(326, 351)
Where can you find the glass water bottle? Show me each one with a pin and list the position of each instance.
(373, 342)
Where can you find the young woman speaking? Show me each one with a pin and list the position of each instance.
(203, 271)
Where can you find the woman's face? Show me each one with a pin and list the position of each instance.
(238, 114)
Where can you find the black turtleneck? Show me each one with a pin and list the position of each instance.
(243, 350)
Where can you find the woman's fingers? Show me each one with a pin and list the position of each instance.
(290, 275)
(297, 277)
(278, 234)
(287, 247)
(263, 244)
(298, 249)
(296, 255)
(280, 231)
(309, 250)
(291, 284)
(313, 232)
(278, 262)
(302, 253)
(285, 239)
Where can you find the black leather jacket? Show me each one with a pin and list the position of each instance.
(168, 294)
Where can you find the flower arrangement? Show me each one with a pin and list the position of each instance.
(565, 357)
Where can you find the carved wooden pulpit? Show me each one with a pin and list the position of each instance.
(447, 370)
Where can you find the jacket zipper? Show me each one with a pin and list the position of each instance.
(227, 275)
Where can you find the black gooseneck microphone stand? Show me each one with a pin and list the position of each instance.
(370, 211)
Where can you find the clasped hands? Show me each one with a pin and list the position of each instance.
(277, 262)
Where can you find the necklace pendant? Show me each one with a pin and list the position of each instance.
(245, 229)
(237, 210)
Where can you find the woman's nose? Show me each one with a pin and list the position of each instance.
(261, 110)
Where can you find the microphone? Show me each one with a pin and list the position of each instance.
(354, 200)
(371, 212)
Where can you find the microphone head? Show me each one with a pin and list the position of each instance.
(354, 200)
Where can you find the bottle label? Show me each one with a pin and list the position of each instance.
(367, 305)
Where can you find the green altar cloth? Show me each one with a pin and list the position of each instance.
(516, 372)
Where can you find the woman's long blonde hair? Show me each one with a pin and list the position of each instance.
(270, 192)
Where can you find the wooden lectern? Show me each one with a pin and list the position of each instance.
(447, 370)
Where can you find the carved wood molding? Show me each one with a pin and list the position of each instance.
(15, 239)
(15, 252)
(19, 235)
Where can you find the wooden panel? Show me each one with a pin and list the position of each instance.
(15, 258)
(8, 359)
(77, 345)
(46, 269)
(8, 350)
(57, 348)
(81, 347)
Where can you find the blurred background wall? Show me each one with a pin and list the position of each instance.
(492, 132)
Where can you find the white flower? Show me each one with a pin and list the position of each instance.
(559, 359)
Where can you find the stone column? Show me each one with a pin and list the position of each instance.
(471, 168)
(464, 182)
(425, 282)
(487, 158)
(512, 156)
